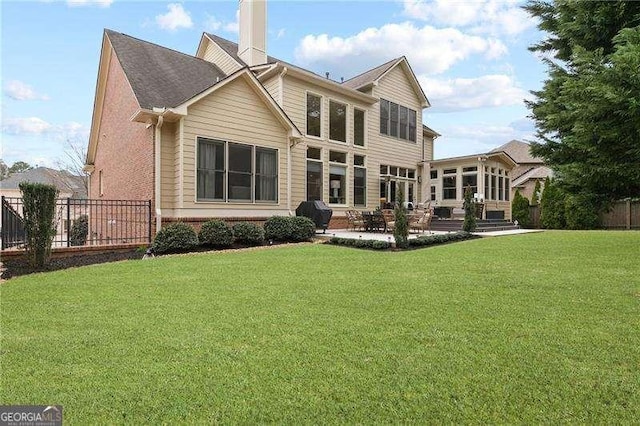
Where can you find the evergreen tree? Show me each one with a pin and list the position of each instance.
(535, 198)
(469, 206)
(401, 226)
(587, 111)
(552, 206)
(520, 210)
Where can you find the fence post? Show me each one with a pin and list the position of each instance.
(149, 221)
(628, 213)
(2, 227)
(68, 221)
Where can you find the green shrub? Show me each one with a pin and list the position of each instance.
(520, 210)
(277, 228)
(174, 238)
(39, 211)
(289, 228)
(401, 222)
(535, 198)
(432, 240)
(248, 233)
(581, 212)
(79, 231)
(552, 206)
(469, 206)
(302, 228)
(366, 244)
(215, 233)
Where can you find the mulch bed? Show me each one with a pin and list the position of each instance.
(20, 266)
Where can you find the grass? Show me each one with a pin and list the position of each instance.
(537, 328)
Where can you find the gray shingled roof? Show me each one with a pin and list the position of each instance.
(541, 172)
(61, 179)
(370, 76)
(161, 77)
(430, 130)
(519, 151)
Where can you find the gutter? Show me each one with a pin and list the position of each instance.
(158, 163)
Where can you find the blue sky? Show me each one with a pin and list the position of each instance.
(471, 58)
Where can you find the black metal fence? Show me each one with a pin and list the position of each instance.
(82, 222)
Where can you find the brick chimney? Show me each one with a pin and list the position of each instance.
(252, 43)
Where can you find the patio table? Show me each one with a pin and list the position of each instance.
(374, 222)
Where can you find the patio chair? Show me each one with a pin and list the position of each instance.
(354, 220)
(422, 223)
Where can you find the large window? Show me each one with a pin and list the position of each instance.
(337, 121)
(211, 170)
(314, 174)
(266, 175)
(487, 184)
(384, 116)
(470, 180)
(236, 172)
(433, 192)
(337, 177)
(358, 127)
(359, 181)
(314, 115)
(500, 188)
(449, 189)
(397, 120)
(507, 189)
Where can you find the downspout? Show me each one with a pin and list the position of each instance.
(158, 162)
(281, 88)
(289, 176)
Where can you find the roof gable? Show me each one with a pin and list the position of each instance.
(369, 77)
(161, 77)
(413, 80)
(61, 179)
(519, 151)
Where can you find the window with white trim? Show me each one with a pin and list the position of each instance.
(358, 127)
(337, 121)
(229, 171)
(314, 174)
(397, 121)
(314, 115)
(337, 177)
(359, 181)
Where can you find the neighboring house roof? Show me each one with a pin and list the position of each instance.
(519, 151)
(540, 173)
(61, 179)
(368, 77)
(161, 77)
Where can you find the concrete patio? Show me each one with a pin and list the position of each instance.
(344, 233)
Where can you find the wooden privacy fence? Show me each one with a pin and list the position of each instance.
(624, 214)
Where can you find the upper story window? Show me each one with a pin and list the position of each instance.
(314, 115)
(358, 127)
(397, 120)
(337, 121)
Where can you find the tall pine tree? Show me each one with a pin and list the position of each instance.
(588, 112)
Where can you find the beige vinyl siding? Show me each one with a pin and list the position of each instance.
(295, 105)
(234, 113)
(177, 161)
(167, 166)
(273, 87)
(395, 87)
(215, 54)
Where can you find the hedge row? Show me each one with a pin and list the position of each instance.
(368, 244)
(431, 240)
(180, 237)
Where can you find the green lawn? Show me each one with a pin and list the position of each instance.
(530, 328)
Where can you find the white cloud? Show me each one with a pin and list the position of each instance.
(281, 32)
(37, 126)
(496, 17)
(429, 50)
(175, 18)
(459, 94)
(101, 3)
(211, 23)
(29, 125)
(20, 91)
(232, 26)
(474, 138)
